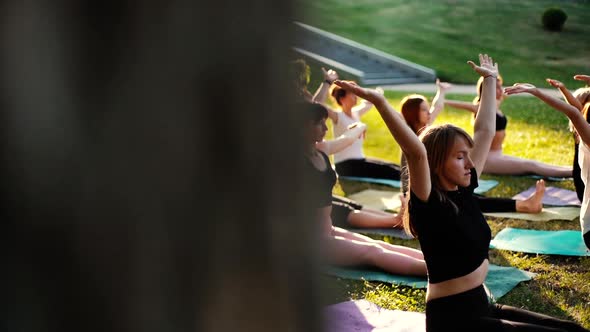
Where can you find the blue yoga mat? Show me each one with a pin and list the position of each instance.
(484, 185)
(568, 243)
(385, 182)
(500, 279)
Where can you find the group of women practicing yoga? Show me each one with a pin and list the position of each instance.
(443, 164)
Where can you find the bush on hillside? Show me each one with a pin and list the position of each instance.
(553, 19)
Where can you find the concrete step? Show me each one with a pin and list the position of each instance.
(352, 60)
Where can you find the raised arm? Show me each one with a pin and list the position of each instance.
(413, 149)
(332, 114)
(365, 105)
(464, 105)
(567, 95)
(321, 93)
(585, 78)
(582, 127)
(354, 132)
(438, 103)
(485, 119)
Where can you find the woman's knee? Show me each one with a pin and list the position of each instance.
(373, 253)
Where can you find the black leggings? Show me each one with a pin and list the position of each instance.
(341, 208)
(368, 168)
(496, 204)
(471, 311)
(587, 239)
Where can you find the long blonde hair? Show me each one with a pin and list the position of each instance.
(438, 141)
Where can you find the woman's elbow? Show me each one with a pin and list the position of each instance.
(417, 154)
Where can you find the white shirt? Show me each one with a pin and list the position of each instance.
(584, 162)
(354, 151)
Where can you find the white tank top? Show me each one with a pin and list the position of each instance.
(355, 150)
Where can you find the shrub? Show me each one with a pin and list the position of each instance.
(553, 19)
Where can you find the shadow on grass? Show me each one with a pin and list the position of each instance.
(537, 297)
(561, 282)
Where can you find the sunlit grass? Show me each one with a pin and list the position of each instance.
(444, 34)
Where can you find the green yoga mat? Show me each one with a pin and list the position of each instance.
(484, 185)
(500, 279)
(392, 232)
(568, 243)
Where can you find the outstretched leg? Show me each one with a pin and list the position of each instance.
(370, 219)
(498, 163)
(337, 231)
(344, 251)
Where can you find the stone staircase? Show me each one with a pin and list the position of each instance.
(366, 65)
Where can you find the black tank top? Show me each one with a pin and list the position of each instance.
(323, 181)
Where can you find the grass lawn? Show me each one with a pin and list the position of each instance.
(444, 34)
(562, 285)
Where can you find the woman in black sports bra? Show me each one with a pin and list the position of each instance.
(497, 162)
(339, 246)
(444, 166)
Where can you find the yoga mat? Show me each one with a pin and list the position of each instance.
(500, 279)
(387, 200)
(484, 185)
(550, 178)
(553, 196)
(548, 213)
(385, 182)
(568, 243)
(393, 232)
(374, 274)
(365, 316)
(378, 199)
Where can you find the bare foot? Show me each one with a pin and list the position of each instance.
(534, 203)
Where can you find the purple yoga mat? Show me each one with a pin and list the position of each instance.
(365, 316)
(553, 196)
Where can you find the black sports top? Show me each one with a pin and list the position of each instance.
(323, 181)
(501, 121)
(454, 241)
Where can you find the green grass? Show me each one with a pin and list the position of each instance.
(562, 285)
(444, 34)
